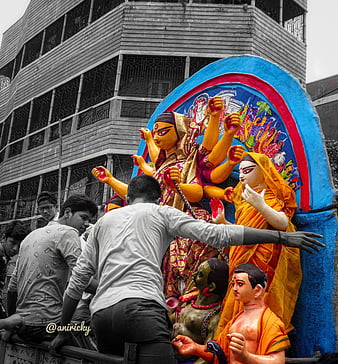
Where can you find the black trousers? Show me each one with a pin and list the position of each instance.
(139, 321)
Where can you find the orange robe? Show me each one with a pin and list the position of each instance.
(280, 263)
(271, 335)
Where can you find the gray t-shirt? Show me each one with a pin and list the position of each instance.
(126, 248)
(45, 259)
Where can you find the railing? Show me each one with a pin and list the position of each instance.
(301, 360)
(18, 351)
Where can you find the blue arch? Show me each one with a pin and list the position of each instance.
(314, 315)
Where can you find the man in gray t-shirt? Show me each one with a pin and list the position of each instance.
(46, 257)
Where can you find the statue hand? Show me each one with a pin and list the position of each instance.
(238, 346)
(172, 174)
(235, 154)
(101, 173)
(138, 160)
(252, 197)
(302, 240)
(184, 345)
(215, 105)
(217, 207)
(232, 122)
(145, 134)
(228, 194)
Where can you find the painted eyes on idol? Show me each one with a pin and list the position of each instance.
(163, 131)
(247, 170)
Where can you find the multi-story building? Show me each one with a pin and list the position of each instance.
(78, 78)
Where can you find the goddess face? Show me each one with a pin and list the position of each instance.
(250, 173)
(200, 277)
(165, 135)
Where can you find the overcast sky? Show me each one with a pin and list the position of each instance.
(322, 30)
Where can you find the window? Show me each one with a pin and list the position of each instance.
(98, 84)
(269, 7)
(5, 132)
(150, 76)
(50, 182)
(83, 182)
(32, 50)
(123, 167)
(18, 60)
(65, 99)
(66, 128)
(77, 19)
(197, 63)
(27, 196)
(36, 139)
(15, 149)
(20, 121)
(7, 201)
(2, 155)
(102, 7)
(137, 109)
(53, 35)
(40, 112)
(93, 115)
(7, 70)
(293, 19)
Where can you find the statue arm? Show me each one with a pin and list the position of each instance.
(276, 219)
(223, 171)
(215, 108)
(238, 348)
(143, 165)
(211, 191)
(219, 152)
(192, 191)
(103, 175)
(186, 346)
(153, 149)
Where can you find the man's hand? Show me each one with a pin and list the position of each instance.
(13, 321)
(302, 240)
(56, 343)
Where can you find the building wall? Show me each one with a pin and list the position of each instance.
(164, 42)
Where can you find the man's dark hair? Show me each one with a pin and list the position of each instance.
(16, 230)
(255, 274)
(144, 186)
(219, 274)
(47, 196)
(329, 358)
(79, 203)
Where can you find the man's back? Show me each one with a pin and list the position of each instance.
(42, 271)
(131, 242)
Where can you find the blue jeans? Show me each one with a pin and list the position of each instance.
(139, 321)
